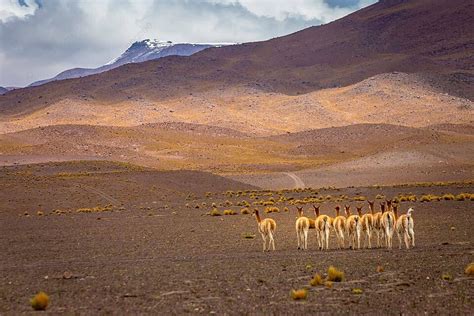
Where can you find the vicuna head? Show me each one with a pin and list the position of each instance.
(359, 210)
(410, 210)
(338, 209)
(347, 209)
(371, 206)
(382, 207)
(299, 210)
(316, 210)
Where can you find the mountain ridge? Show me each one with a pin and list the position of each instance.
(139, 51)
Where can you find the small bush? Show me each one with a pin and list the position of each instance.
(228, 203)
(360, 198)
(380, 197)
(286, 209)
(40, 301)
(316, 280)
(230, 212)
(300, 294)
(328, 284)
(335, 275)
(40, 213)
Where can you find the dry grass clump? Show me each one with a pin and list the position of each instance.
(96, 209)
(215, 212)
(272, 209)
(429, 198)
(248, 236)
(446, 277)
(359, 198)
(244, 203)
(470, 269)
(228, 203)
(335, 275)
(380, 197)
(40, 301)
(286, 209)
(316, 280)
(230, 212)
(40, 213)
(300, 294)
(245, 211)
(448, 197)
(357, 291)
(328, 284)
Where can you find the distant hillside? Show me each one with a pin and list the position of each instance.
(3, 90)
(139, 52)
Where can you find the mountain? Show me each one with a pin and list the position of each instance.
(139, 52)
(3, 90)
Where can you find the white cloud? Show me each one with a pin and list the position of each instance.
(11, 9)
(37, 42)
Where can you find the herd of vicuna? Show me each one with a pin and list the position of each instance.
(383, 223)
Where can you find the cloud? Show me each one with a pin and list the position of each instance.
(13, 9)
(40, 38)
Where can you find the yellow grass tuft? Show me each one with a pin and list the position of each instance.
(328, 284)
(230, 212)
(357, 291)
(300, 294)
(316, 280)
(286, 209)
(272, 209)
(40, 301)
(245, 211)
(335, 275)
(470, 269)
(380, 197)
(40, 213)
(360, 198)
(446, 277)
(448, 197)
(215, 212)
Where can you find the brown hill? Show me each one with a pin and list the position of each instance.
(419, 36)
(199, 147)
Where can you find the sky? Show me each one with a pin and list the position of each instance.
(41, 38)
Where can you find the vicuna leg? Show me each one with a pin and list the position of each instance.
(399, 240)
(407, 239)
(305, 239)
(272, 241)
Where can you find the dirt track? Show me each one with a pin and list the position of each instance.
(152, 257)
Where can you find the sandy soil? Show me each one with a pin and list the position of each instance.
(153, 254)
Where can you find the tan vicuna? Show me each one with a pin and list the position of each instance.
(367, 221)
(353, 228)
(302, 228)
(339, 225)
(377, 217)
(266, 227)
(405, 226)
(388, 225)
(323, 224)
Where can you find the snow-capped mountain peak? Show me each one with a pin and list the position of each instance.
(139, 51)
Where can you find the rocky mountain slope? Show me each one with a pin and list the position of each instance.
(139, 52)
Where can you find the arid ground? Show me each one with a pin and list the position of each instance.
(149, 247)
